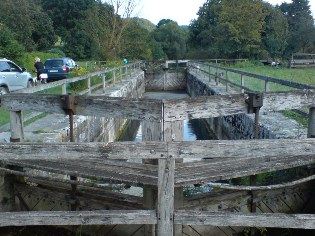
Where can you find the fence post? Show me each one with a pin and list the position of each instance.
(226, 81)
(121, 74)
(209, 73)
(89, 85)
(16, 123)
(311, 123)
(104, 81)
(242, 83)
(64, 87)
(266, 86)
(114, 75)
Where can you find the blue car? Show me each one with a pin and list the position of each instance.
(58, 68)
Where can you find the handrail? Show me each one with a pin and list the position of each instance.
(75, 79)
(197, 65)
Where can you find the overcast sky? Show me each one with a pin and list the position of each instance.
(181, 11)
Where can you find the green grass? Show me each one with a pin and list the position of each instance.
(4, 116)
(303, 76)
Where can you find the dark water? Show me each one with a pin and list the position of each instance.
(193, 129)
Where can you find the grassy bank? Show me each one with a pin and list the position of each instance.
(301, 75)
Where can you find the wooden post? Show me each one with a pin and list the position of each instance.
(89, 85)
(64, 87)
(226, 81)
(165, 225)
(114, 75)
(104, 82)
(16, 123)
(242, 84)
(267, 86)
(311, 123)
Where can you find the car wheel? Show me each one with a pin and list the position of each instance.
(3, 90)
(30, 84)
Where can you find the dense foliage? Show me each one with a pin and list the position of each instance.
(106, 30)
(252, 29)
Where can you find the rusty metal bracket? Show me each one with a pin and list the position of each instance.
(254, 101)
(68, 103)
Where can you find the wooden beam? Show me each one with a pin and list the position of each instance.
(78, 218)
(70, 151)
(233, 104)
(165, 224)
(274, 220)
(108, 107)
(158, 150)
(151, 109)
(204, 107)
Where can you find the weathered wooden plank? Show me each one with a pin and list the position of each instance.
(101, 173)
(204, 107)
(108, 107)
(225, 105)
(166, 197)
(115, 150)
(275, 220)
(16, 124)
(243, 148)
(288, 100)
(240, 168)
(151, 109)
(78, 218)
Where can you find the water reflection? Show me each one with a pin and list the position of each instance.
(193, 129)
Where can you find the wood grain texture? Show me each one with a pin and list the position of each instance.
(277, 220)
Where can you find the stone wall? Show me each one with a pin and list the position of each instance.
(98, 129)
(165, 80)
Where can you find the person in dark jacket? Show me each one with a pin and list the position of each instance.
(38, 67)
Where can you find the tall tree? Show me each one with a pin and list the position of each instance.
(240, 25)
(276, 32)
(173, 39)
(203, 30)
(9, 46)
(301, 26)
(136, 42)
(30, 24)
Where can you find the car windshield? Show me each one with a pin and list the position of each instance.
(53, 63)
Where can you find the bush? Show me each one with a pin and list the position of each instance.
(78, 85)
(27, 60)
(9, 47)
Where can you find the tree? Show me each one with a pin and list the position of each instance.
(203, 31)
(30, 24)
(136, 42)
(240, 26)
(172, 38)
(301, 26)
(9, 47)
(276, 32)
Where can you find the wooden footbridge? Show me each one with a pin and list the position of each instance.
(161, 169)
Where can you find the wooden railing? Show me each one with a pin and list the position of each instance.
(224, 75)
(222, 159)
(118, 73)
